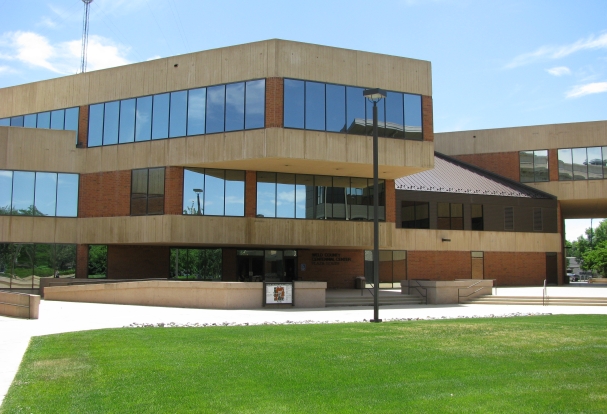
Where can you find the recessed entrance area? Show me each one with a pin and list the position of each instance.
(267, 265)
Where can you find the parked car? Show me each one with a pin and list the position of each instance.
(573, 277)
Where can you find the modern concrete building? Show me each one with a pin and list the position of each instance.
(249, 163)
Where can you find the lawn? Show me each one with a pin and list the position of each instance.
(526, 364)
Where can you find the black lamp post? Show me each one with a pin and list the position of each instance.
(198, 191)
(375, 95)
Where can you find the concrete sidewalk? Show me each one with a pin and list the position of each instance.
(59, 317)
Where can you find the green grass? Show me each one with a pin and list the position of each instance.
(530, 364)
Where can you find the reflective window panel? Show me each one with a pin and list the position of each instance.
(285, 195)
(71, 119)
(193, 187)
(178, 114)
(23, 193)
(293, 103)
(605, 162)
(355, 111)
(95, 125)
(595, 163)
(110, 123)
(323, 186)
(336, 108)
(57, 119)
(214, 188)
(155, 191)
(6, 192)
(215, 108)
(304, 196)
(17, 121)
(565, 164)
(127, 121)
(29, 121)
(139, 192)
(45, 194)
(580, 164)
(255, 104)
(196, 111)
(540, 165)
(413, 117)
(67, 195)
(266, 194)
(143, 119)
(5, 122)
(315, 106)
(526, 166)
(394, 116)
(234, 107)
(341, 186)
(44, 120)
(160, 116)
(234, 193)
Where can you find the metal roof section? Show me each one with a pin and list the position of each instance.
(453, 176)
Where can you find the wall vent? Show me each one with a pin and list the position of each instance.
(508, 218)
(537, 219)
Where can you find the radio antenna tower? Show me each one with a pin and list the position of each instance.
(85, 34)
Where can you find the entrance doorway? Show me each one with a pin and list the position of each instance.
(267, 265)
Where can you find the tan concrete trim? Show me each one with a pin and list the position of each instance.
(269, 58)
(579, 199)
(19, 305)
(184, 294)
(581, 134)
(249, 231)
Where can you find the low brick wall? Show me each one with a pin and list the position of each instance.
(182, 294)
(19, 305)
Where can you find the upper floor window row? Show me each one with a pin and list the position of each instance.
(338, 108)
(220, 108)
(317, 197)
(28, 193)
(582, 163)
(533, 166)
(62, 119)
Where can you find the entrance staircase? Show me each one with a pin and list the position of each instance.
(386, 298)
(535, 300)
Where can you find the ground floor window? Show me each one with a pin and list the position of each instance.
(97, 266)
(196, 264)
(23, 265)
(267, 265)
(392, 267)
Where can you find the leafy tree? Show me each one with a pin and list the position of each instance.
(97, 260)
(596, 259)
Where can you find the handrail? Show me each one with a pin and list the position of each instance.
(459, 295)
(425, 296)
(544, 293)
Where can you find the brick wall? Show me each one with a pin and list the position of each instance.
(250, 202)
(390, 202)
(427, 118)
(338, 273)
(105, 194)
(137, 262)
(82, 261)
(503, 163)
(173, 190)
(274, 102)
(439, 265)
(83, 125)
(516, 269)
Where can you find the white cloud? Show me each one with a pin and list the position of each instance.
(588, 89)
(47, 22)
(64, 58)
(557, 52)
(559, 71)
(154, 58)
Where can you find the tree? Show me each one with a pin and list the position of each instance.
(596, 259)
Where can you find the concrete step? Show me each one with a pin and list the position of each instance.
(368, 301)
(536, 300)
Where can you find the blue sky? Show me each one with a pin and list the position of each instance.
(494, 63)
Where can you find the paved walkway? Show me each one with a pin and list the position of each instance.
(59, 317)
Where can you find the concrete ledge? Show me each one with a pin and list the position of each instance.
(445, 292)
(600, 280)
(19, 305)
(184, 294)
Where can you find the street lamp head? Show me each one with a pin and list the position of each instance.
(374, 95)
(197, 190)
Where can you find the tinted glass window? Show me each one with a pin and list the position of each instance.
(6, 192)
(196, 111)
(285, 195)
(155, 191)
(29, 121)
(341, 186)
(143, 119)
(565, 164)
(476, 212)
(315, 106)
(213, 192)
(127, 120)
(355, 111)
(215, 108)
(23, 193)
(234, 193)
(413, 117)
(304, 196)
(193, 187)
(67, 195)
(595, 163)
(323, 191)
(139, 192)
(5, 122)
(336, 108)
(394, 116)
(255, 104)
(358, 199)
(71, 119)
(540, 165)
(44, 120)
(57, 119)
(605, 162)
(160, 116)
(95, 125)
(110, 123)
(17, 121)
(235, 106)
(266, 194)
(179, 101)
(526, 166)
(580, 161)
(45, 194)
(294, 103)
